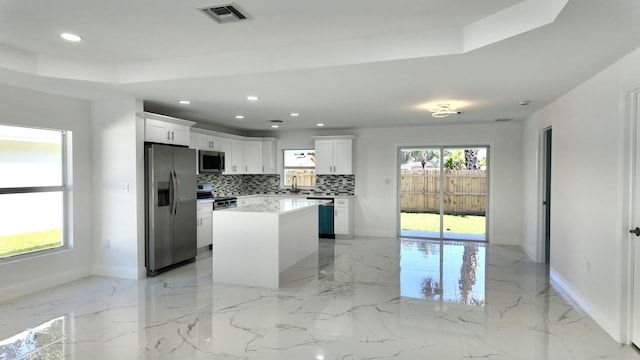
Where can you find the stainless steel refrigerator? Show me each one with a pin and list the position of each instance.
(170, 198)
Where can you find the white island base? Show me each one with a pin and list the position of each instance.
(252, 245)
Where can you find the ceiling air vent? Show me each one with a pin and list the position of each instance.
(224, 14)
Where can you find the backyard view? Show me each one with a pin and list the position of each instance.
(466, 224)
(443, 192)
(31, 190)
(20, 243)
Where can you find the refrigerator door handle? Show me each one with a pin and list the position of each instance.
(172, 181)
(176, 178)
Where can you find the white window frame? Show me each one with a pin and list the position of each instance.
(63, 188)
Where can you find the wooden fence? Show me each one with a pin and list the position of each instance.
(303, 177)
(464, 191)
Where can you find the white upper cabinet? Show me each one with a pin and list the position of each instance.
(225, 147)
(253, 157)
(207, 142)
(269, 154)
(166, 130)
(334, 156)
(235, 157)
(243, 155)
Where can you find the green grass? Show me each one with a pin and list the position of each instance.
(460, 224)
(20, 243)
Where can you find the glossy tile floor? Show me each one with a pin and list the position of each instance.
(359, 299)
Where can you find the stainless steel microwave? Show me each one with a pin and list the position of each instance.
(210, 161)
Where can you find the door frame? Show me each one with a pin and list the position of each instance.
(542, 188)
(490, 145)
(631, 207)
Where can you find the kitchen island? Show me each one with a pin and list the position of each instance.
(253, 244)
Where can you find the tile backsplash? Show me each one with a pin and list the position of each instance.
(225, 185)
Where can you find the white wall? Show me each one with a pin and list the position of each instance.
(589, 236)
(28, 108)
(375, 163)
(118, 215)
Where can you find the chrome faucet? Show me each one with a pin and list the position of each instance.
(294, 183)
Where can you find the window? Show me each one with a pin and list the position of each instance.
(32, 189)
(302, 165)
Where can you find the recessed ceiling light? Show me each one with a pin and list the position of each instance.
(319, 124)
(294, 114)
(275, 126)
(239, 116)
(71, 37)
(252, 98)
(184, 102)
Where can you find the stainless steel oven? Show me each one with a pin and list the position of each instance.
(221, 203)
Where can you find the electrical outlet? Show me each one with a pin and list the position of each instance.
(124, 187)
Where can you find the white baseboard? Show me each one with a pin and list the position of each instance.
(503, 240)
(42, 283)
(117, 272)
(529, 252)
(605, 323)
(375, 233)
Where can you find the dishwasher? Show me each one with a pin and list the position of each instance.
(325, 218)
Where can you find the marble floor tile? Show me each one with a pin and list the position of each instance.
(367, 298)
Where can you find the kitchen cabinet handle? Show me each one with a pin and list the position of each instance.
(171, 134)
(168, 135)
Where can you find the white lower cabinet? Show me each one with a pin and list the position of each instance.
(204, 224)
(343, 217)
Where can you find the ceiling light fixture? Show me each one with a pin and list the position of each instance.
(71, 37)
(442, 110)
(275, 123)
(239, 116)
(294, 114)
(319, 124)
(252, 98)
(184, 102)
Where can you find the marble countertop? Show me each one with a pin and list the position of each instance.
(279, 206)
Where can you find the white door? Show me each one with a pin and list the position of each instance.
(635, 240)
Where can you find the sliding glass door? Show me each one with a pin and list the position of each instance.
(443, 192)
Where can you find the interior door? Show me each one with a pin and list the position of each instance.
(547, 195)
